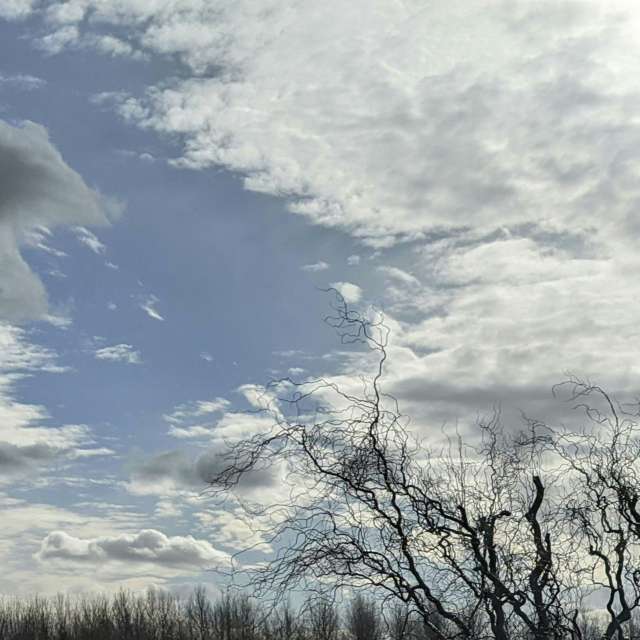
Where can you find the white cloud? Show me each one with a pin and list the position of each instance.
(394, 273)
(432, 117)
(316, 266)
(113, 46)
(119, 353)
(16, 9)
(22, 81)
(25, 441)
(148, 305)
(145, 547)
(25, 524)
(351, 293)
(89, 239)
(502, 137)
(234, 529)
(58, 40)
(185, 412)
(353, 260)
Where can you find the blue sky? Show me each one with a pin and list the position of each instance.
(178, 180)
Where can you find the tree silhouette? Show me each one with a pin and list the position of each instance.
(500, 538)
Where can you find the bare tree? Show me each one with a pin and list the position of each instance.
(362, 495)
(461, 541)
(363, 619)
(321, 620)
(602, 506)
(500, 539)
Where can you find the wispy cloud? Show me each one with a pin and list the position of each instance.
(24, 82)
(148, 305)
(90, 240)
(315, 267)
(119, 353)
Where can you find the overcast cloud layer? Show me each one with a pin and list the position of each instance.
(471, 167)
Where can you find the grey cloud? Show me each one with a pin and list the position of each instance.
(16, 459)
(145, 547)
(190, 473)
(37, 188)
(449, 405)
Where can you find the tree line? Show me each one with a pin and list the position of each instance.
(161, 615)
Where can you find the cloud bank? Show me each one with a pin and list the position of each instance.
(500, 138)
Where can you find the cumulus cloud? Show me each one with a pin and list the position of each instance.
(145, 547)
(37, 189)
(351, 293)
(119, 353)
(16, 9)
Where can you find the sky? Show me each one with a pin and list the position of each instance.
(181, 179)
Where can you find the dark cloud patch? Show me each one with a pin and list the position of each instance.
(37, 188)
(441, 404)
(15, 459)
(185, 472)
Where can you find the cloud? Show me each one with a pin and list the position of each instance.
(58, 40)
(37, 190)
(148, 305)
(186, 419)
(24, 82)
(175, 471)
(464, 116)
(400, 276)
(353, 260)
(89, 239)
(18, 459)
(119, 353)
(315, 267)
(500, 138)
(25, 441)
(351, 293)
(185, 412)
(145, 547)
(16, 9)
